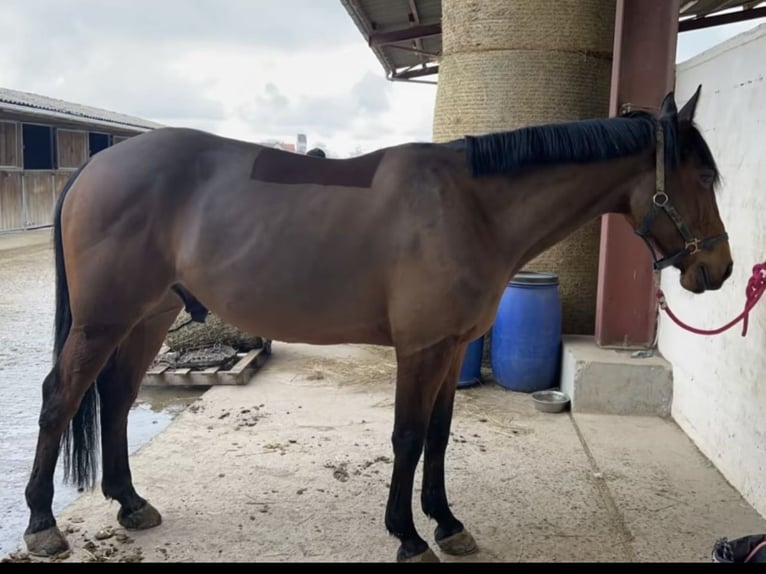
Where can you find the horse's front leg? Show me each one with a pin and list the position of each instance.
(450, 534)
(419, 378)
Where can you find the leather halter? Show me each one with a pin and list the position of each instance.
(660, 203)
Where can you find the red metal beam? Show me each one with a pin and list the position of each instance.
(411, 33)
(729, 18)
(643, 71)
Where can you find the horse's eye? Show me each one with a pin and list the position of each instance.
(707, 177)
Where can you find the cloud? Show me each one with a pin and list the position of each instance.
(363, 105)
(124, 55)
(251, 69)
(293, 24)
(132, 87)
(372, 94)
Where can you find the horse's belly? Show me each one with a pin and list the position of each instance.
(307, 311)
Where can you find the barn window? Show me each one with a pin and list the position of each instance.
(38, 146)
(9, 144)
(97, 142)
(72, 148)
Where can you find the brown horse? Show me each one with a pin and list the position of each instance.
(410, 247)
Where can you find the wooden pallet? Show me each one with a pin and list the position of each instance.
(239, 374)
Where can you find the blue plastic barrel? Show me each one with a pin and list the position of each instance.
(470, 372)
(526, 337)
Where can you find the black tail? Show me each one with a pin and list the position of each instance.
(79, 441)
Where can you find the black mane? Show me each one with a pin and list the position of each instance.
(577, 141)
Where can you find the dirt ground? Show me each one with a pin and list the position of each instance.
(295, 467)
(26, 339)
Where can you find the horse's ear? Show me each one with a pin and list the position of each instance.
(668, 107)
(687, 112)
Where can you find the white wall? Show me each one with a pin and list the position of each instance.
(720, 381)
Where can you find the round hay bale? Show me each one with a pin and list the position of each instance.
(184, 336)
(562, 26)
(576, 259)
(542, 88)
(510, 64)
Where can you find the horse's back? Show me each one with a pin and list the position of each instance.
(293, 247)
(154, 174)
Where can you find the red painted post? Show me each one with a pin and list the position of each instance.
(643, 71)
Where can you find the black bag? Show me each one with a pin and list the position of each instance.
(751, 549)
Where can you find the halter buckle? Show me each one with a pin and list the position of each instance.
(692, 246)
(660, 199)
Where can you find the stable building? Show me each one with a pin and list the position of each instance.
(42, 141)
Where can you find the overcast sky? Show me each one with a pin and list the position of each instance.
(252, 69)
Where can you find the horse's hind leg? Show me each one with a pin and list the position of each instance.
(118, 388)
(450, 534)
(419, 378)
(84, 354)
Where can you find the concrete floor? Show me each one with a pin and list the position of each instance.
(25, 239)
(295, 466)
(26, 339)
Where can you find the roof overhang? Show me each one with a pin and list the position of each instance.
(60, 111)
(31, 115)
(406, 35)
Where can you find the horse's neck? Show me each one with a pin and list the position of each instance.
(533, 211)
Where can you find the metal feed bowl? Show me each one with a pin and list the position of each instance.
(550, 401)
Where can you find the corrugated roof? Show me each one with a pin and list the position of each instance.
(697, 9)
(376, 18)
(18, 101)
(405, 35)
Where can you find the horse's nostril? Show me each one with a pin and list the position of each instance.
(729, 270)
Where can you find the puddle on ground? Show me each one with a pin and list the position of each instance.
(26, 329)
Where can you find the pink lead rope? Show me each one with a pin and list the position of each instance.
(756, 286)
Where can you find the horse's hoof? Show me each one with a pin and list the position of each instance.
(427, 556)
(142, 519)
(460, 544)
(46, 543)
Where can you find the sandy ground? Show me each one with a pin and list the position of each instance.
(26, 339)
(295, 466)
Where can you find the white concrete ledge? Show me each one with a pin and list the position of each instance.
(607, 381)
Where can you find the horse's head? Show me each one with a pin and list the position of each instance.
(680, 215)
